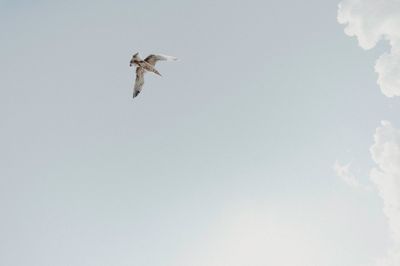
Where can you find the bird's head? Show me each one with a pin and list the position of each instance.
(134, 58)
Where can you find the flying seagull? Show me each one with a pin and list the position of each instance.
(146, 65)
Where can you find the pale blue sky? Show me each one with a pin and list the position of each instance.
(267, 95)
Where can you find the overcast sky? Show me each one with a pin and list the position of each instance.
(255, 148)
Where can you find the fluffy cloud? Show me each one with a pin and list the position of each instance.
(386, 177)
(344, 172)
(371, 21)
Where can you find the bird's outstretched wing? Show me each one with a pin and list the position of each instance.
(153, 58)
(139, 81)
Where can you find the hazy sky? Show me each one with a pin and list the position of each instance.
(233, 158)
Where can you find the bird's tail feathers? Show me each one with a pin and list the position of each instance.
(156, 72)
(135, 93)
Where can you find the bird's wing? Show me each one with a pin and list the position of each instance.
(139, 81)
(153, 58)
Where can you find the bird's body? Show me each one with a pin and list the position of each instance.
(146, 65)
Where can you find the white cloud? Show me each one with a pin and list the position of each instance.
(371, 21)
(386, 177)
(344, 172)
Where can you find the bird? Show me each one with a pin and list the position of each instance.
(146, 65)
